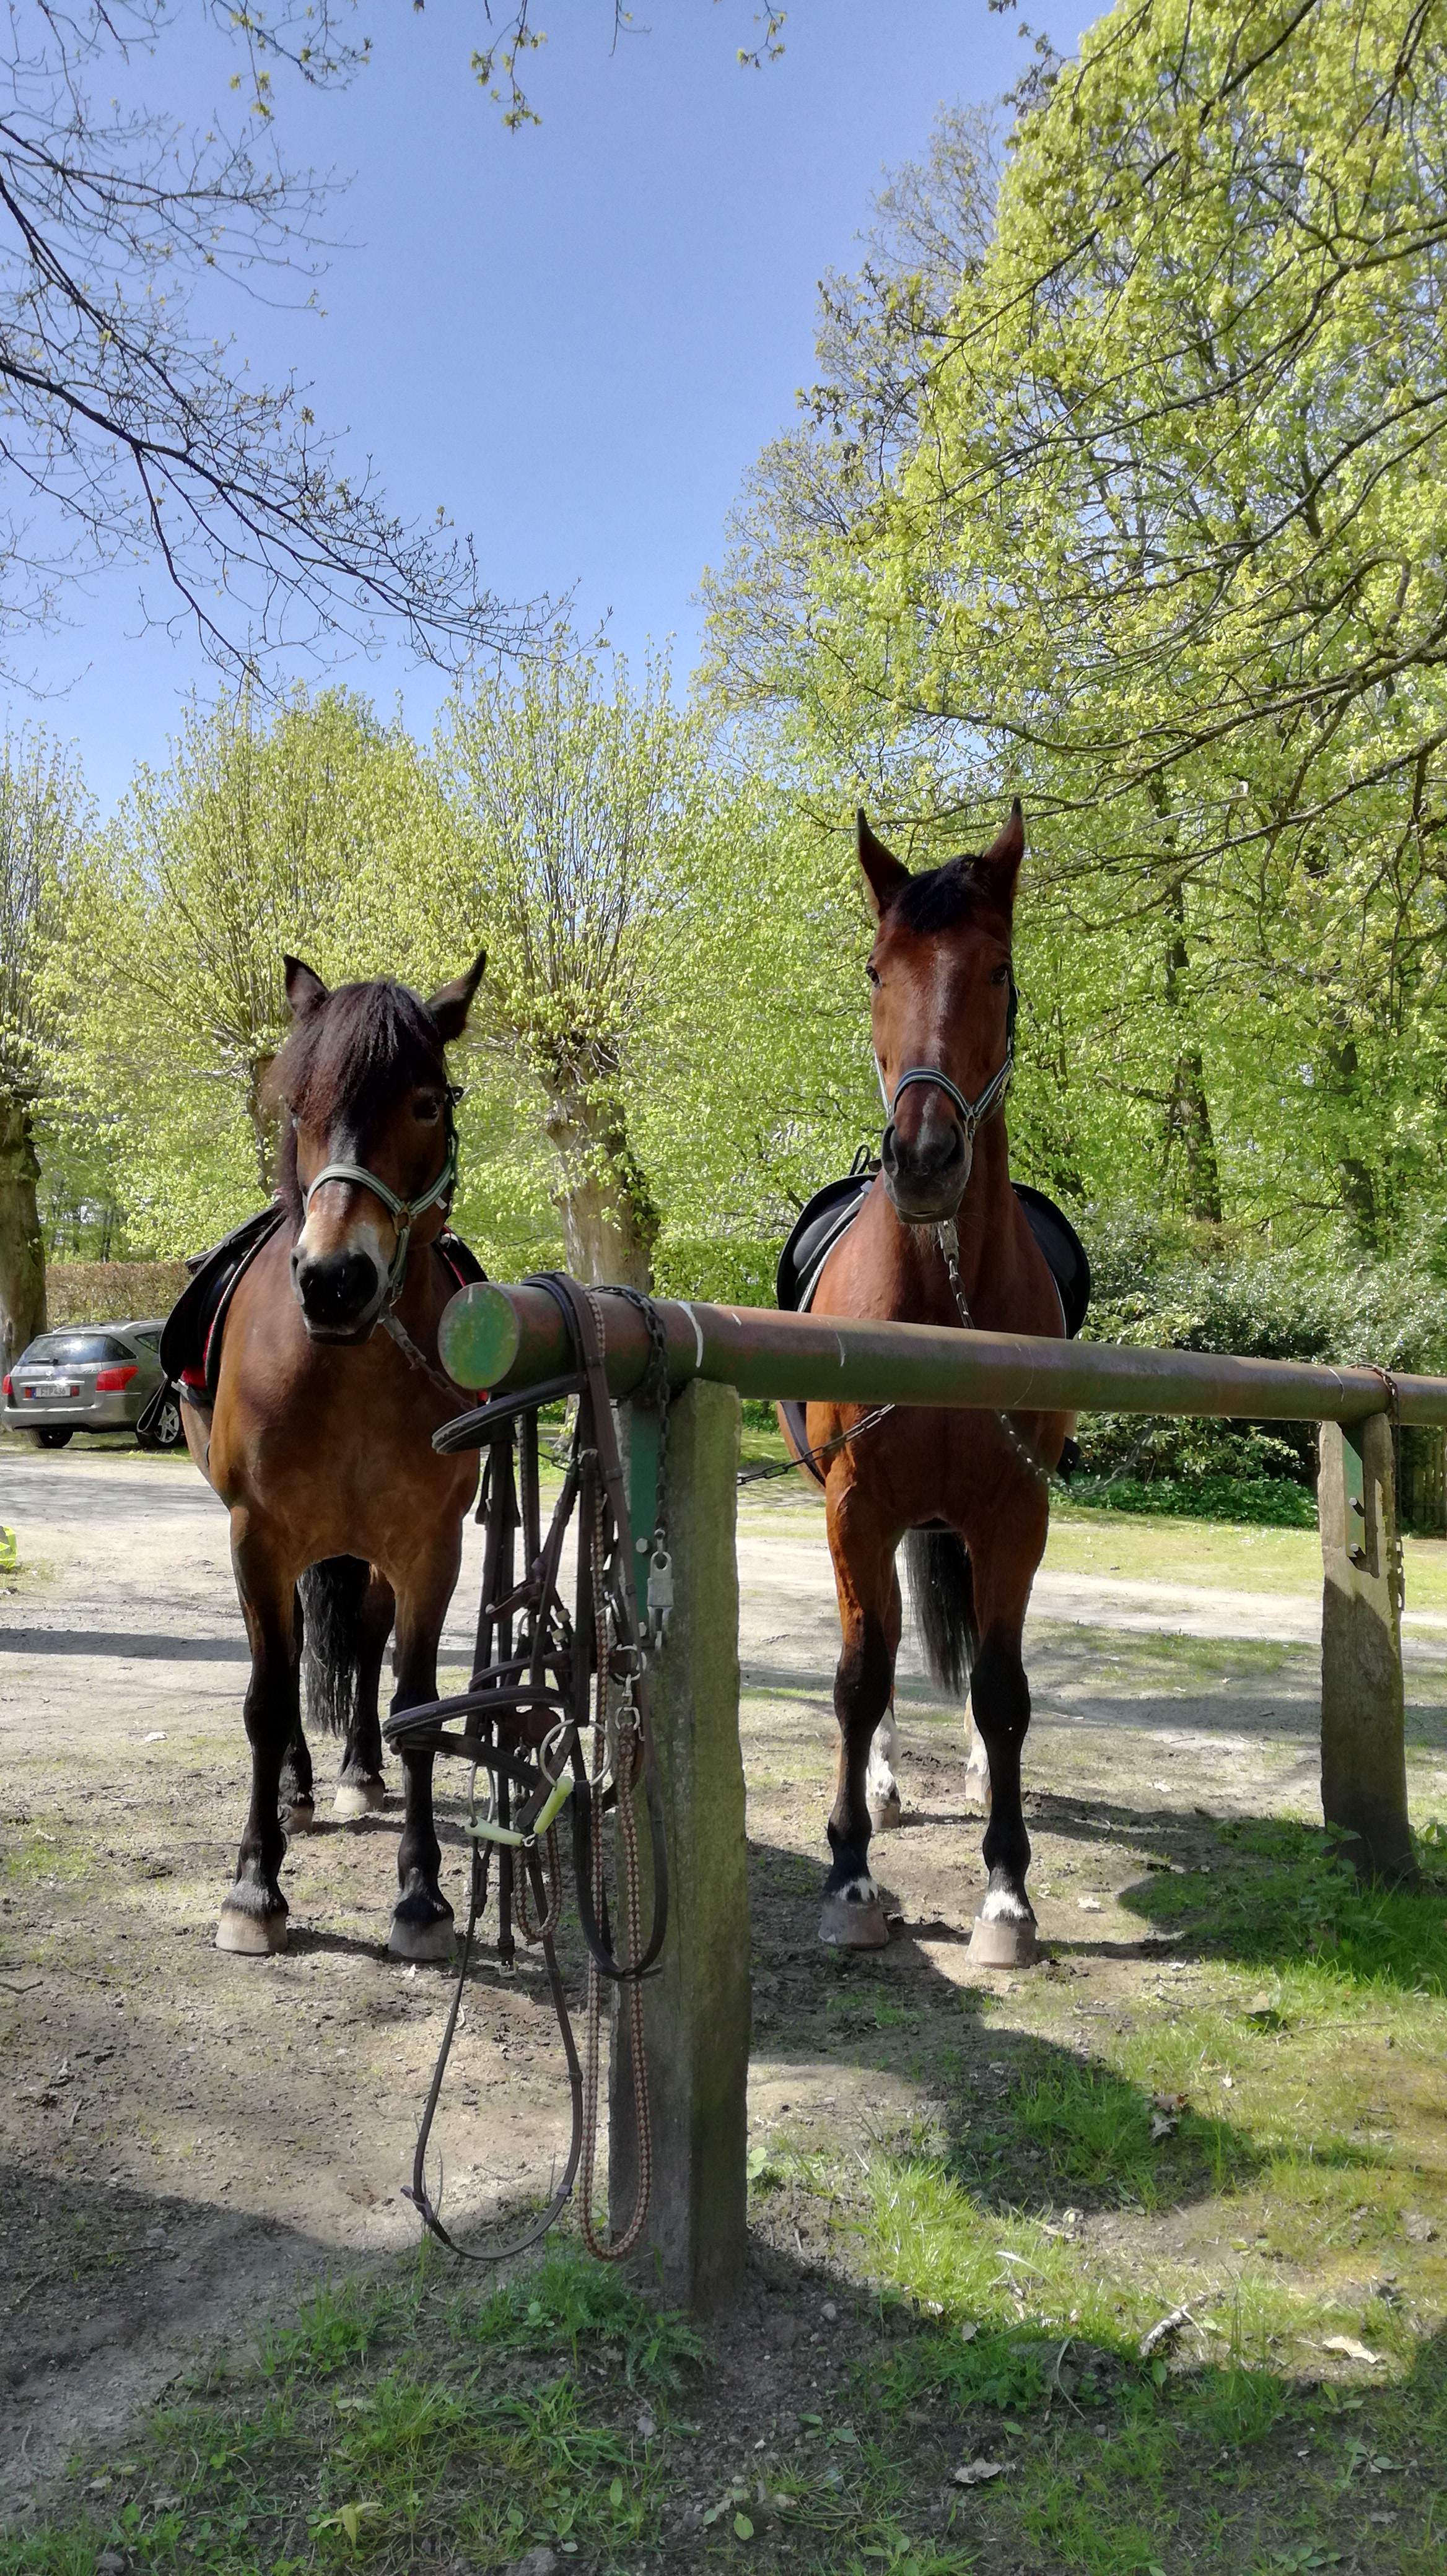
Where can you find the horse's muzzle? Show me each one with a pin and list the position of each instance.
(340, 1293)
(926, 1177)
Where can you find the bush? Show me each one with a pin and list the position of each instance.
(1165, 1283)
(111, 1292)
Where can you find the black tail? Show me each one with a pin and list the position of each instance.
(942, 1588)
(332, 1594)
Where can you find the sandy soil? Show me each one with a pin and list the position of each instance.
(185, 2137)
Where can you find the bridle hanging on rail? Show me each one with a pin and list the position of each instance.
(557, 1714)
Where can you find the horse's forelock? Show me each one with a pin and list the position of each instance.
(939, 898)
(354, 1052)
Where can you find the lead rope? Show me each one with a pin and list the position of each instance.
(948, 1238)
(627, 1750)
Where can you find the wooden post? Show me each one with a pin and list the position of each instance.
(696, 2007)
(1363, 1752)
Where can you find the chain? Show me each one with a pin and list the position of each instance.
(627, 1762)
(948, 1238)
(1394, 1417)
(806, 1457)
(392, 1323)
(654, 1392)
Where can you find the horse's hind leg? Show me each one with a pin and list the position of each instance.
(422, 1923)
(296, 1796)
(360, 1789)
(852, 1917)
(253, 1917)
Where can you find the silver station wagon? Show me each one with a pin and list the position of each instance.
(90, 1377)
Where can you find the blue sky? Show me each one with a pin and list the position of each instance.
(576, 337)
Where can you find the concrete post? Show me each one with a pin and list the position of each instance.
(696, 2006)
(1363, 1753)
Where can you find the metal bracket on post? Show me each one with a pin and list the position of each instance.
(1363, 1749)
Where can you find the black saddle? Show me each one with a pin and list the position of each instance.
(192, 1334)
(831, 1212)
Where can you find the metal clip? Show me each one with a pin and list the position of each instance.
(660, 1594)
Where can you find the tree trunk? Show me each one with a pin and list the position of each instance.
(1188, 1112)
(22, 1252)
(610, 1224)
(265, 1122)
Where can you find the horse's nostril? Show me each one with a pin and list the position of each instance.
(336, 1288)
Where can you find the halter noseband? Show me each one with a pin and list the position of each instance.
(973, 1113)
(403, 1212)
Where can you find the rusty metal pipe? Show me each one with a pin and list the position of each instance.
(504, 1338)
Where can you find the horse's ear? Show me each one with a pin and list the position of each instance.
(1000, 866)
(883, 874)
(304, 987)
(450, 1006)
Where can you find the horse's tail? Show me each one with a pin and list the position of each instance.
(942, 1588)
(332, 1594)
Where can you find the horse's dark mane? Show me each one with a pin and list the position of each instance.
(940, 897)
(350, 1056)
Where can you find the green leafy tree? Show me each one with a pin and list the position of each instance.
(44, 823)
(252, 844)
(574, 800)
(1156, 536)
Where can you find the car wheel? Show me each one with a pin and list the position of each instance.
(166, 1431)
(51, 1437)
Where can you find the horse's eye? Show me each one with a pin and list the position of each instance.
(429, 1111)
(1001, 975)
(873, 973)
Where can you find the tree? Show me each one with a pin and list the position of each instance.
(131, 433)
(253, 843)
(574, 799)
(44, 818)
(1161, 537)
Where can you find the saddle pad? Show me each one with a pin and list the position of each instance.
(192, 1335)
(831, 1212)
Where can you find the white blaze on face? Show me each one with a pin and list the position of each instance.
(343, 1217)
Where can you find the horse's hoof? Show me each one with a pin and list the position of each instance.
(250, 1936)
(357, 1798)
(300, 1817)
(854, 1919)
(409, 1940)
(885, 1814)
(1004, 1942)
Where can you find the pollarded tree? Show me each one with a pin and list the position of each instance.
(574, 801)
(253, 843)
(44, 821)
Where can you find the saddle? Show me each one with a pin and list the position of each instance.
(831, 1212)
(192, 1335)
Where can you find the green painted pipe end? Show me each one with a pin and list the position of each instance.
(478, 1338)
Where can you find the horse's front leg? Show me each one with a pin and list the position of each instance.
(296, 1790)
(360, 1789)
(253, 1917)
(869, 1614)
(1000, 1700)
(422, 1924)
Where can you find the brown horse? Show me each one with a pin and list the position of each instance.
(320, 1441)
(943, 995)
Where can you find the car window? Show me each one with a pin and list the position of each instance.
(150, 1341)
(73, 1350)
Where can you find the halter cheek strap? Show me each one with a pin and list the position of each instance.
(973, 1113)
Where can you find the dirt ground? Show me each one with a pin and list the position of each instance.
(188, 2137)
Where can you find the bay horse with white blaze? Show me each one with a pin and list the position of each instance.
(940, 1239)
(343, 1516)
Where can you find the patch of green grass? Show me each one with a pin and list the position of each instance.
(1275, 1502)
(31, 1858)
(1283, 1898)
(397, 2411)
